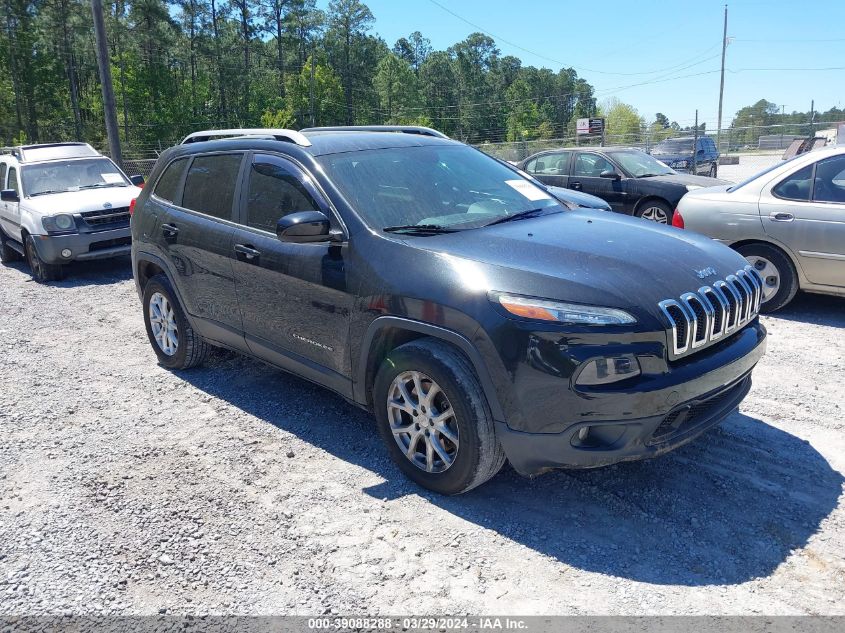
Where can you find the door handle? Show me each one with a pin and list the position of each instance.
(248, 252)
(169, 230)
(576, 185)
(781, 216)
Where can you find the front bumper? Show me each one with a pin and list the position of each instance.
(84, 246)
(600, 440)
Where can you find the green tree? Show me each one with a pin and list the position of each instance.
(349, 21)
(624, 124)
(396, 85)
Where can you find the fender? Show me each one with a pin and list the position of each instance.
(458, 340)
(139, 256)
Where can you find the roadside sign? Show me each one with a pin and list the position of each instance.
(589, 126)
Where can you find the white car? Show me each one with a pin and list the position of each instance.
(62, 202)
(788, 221)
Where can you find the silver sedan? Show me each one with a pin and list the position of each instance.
(788, 221)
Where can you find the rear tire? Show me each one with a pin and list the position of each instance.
(780, 281)
(655, 211)
(7, 253)
(450, 444)
(174, 341)
(41, 270)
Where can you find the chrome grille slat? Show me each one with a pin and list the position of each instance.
(697, 319)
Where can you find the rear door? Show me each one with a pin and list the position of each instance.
(586, 177)
(551, 169)
(195, 234)
(294, 299)
(806, 212)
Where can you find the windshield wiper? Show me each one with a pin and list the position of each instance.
(521, 215)
(103, 184)
(43, 193)
(422, 229)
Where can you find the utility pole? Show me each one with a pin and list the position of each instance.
(311, 87)
(695, 146)
(812, 118)
(782, 123)
(722, 82)
(105, 81)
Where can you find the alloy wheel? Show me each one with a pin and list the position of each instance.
(422, 421)
(770, 274)
(163, 324)
(655, 214)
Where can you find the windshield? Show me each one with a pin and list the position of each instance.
(71, 175)
(445, 186)
(674, 146)
(639, 164)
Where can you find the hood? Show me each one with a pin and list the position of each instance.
(85, 200)
(578, 198)
(671, 157)
(685, 179)
(585, 256)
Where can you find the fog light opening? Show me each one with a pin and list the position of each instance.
(66, 253)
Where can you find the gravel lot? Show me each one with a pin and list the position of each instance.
(235, 488)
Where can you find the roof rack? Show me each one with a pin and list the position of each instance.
(404, 129)
(291, 136)
(14, 151)
(35, 152)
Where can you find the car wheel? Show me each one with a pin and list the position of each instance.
(434, 418)
(655, 211)
(7, 253)
(780, 281)
(41, 270)
(174, 341)
(712, 172)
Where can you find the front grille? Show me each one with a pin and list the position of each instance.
(106, 216)
(691, 415)
(104, 244)
(700, 318)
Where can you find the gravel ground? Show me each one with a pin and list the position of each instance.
(235, 488)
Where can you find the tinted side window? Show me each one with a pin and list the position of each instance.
(275, 190)
(796, 186)
(210, 186)
(3, 175)
(830, 180)
(556, 164)
(590, 165)
(13, 180)
(169, 180)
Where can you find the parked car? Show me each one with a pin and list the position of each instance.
(630, 180)
(62, 202)
(570, 197)
(477, 317)
(689, 155)
(788, 221)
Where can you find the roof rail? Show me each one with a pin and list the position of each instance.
(14, 151)
(291, 136)
(404, 129)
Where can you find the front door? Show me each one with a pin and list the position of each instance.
(195, 233)
(294, 299)
(806, 212)
(586, 177)
(11, 216)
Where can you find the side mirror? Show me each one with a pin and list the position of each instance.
(9, 195)
(138, 181)
(610, 173)
(304, 226)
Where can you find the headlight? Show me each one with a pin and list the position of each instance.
(602, 371)
(58, 223)
(680, 164)
(557, 311)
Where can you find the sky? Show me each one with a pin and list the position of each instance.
(616, 44)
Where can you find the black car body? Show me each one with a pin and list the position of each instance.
(626, 178)
(689, 155)
(570, 347)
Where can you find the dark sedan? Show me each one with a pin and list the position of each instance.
(630, 180)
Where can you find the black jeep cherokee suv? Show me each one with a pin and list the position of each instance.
(476, 317)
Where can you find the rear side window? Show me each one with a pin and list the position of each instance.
(13, 180)
(556, 164)
(210, 186)
(3, 175)
(797, 186)
(169, 180)
(275, 190)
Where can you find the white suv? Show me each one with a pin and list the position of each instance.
(62, 202)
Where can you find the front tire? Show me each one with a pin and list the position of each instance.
(173, 339)
(434, 418)
(41, 270)
(655, 211)
(780, 281)
(712, 172)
